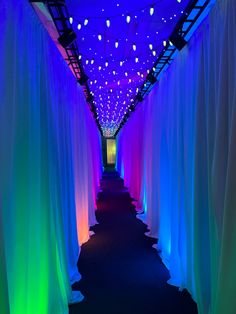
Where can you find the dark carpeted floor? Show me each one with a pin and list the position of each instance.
(121, 272)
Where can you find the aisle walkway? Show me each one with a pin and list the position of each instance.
(121, 272)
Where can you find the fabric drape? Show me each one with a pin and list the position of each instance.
(186, 173)
(42, 115)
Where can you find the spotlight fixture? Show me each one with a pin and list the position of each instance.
(90, 99)
(132, 108)
(83, 79)
(151, 78)
(139, 97)
(178, 41)
(67, 38)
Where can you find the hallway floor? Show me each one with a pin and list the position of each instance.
(121, 272)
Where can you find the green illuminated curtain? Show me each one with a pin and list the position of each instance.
(39, 235)
(4, 301)
(187, 163)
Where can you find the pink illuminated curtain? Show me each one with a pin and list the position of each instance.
(87, 162)
(186, 171)
(49, 158)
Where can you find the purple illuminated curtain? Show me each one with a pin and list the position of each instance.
(43, 168)
(186, 171)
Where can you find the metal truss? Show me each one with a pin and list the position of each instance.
(60, 16)
(183, 29)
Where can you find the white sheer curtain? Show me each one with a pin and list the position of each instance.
(42, 111)
(187, 171)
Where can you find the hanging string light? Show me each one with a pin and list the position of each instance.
(109, 106)
(128, 18)
(71, 20)
(108, 23)
(151, 10)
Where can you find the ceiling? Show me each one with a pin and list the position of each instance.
(119, 45)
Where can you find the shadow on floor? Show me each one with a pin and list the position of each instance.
(121, 272)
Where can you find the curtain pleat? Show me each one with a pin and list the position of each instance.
(45, 162)
(186, 175)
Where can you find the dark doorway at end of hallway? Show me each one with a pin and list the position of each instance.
(121, 272)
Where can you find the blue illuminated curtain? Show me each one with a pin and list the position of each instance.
(42, 114)
(187, 169)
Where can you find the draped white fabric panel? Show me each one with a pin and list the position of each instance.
(180, 164)
(50, 165)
